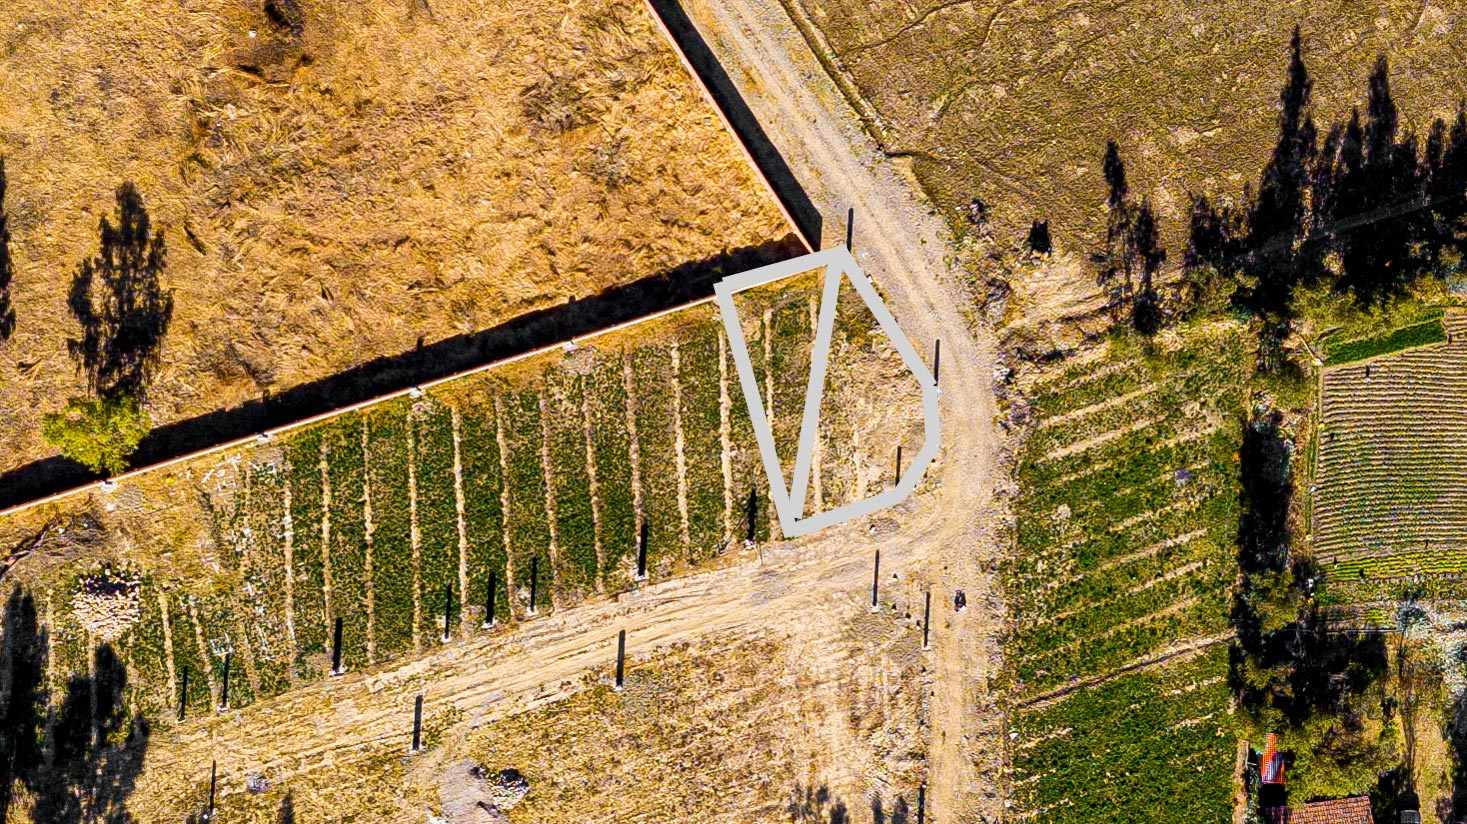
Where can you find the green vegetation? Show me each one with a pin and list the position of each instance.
(1151, 746)
(1125, 531)
(98, 432)
(267, 603)
(1422, 333)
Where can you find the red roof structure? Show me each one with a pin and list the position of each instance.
(1271, 768)
(1336, 811)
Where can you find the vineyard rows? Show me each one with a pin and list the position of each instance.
(1126, 517)
(551, 467)
(1392, 475)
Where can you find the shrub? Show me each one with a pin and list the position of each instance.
(100, 433)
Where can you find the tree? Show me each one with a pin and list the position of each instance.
(98, 432)
(7, 308)
(124, 313)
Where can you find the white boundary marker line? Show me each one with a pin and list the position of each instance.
(790, 502)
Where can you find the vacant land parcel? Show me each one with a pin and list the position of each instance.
(341, 181)
(1391, 474)
(1119, 587)
(1012, 102)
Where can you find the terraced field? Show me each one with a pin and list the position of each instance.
(1391, 474)
(541, 475)
(1120, 583)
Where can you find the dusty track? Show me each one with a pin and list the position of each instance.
(942, 537)
(904, 247)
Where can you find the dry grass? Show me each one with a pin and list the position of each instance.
(387, 173)
(1012, 102)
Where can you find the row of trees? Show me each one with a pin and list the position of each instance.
(118, 301)
(1368, 209)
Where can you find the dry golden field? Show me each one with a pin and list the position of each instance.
(1012, 102)
(341, 181)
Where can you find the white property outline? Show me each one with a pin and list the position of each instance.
(789, 503)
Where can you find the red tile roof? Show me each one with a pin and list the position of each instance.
(1337, 811)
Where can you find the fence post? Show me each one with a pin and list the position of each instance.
(936, 360)
(926, 618)
(621, 654)
(213, 782)
(417, 723)
(875, 581)
(224, 696)
(336, 648)
(898, 478)
(642, 553)
(922, 804)
(850, 226)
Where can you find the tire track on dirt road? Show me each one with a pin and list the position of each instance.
(904, 247)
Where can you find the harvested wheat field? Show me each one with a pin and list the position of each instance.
(341, 181)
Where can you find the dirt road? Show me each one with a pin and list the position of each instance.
(905, 248)
(941, 537)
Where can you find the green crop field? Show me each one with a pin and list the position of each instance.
(1125, 526)
(553, 461)
(1391, 474)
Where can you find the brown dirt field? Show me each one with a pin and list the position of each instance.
(724, 729)
(1012, 102)
(390, 173)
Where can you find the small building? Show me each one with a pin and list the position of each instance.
(1354, 810)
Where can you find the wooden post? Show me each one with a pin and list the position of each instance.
(534, 580)
(926, 618)
(417, 723)
(224, 697)
(183, 694)
(447, 608)
(621, 654)
(336, 649)
(850, 226)
(936, 360)
(898, 466)
(489, 599)
(875, 581)
(642, 553)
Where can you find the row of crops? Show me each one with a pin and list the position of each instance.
(1125, 526)
(547, 478)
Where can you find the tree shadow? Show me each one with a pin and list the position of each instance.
(1133, 254)
(545, 327)
(23, 648)
(7, 307)
(809, 804)
(123, 310)
(79, 763)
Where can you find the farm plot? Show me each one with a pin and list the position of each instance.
(534, 474)
(1124, 533)
(1392, 475)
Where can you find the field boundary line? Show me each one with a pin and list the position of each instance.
(1189, 649)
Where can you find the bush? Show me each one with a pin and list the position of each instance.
(100, 433)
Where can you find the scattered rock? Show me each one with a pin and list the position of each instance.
(107, 602)
(960, 601)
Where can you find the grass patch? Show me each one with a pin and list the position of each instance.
(392, 549)
(1423, 332)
